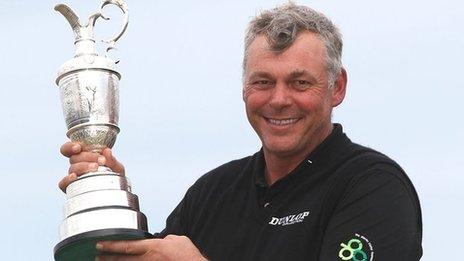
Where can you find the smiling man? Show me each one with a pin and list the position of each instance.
(288, 98)
(309, 193)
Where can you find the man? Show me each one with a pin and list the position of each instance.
(309, 193)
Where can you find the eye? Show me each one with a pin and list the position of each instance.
(302, 84)
(262, 84)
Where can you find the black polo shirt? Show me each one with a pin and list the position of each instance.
(343, 202)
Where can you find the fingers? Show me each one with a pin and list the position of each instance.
(170, 248)
(66, 180)
(82, 168)
(70, 148)
(83, 162)
(111, 162)
(128, 247)
(117, 258)
(76, 170)
(73, 151)
(88, 157)
(173, 237)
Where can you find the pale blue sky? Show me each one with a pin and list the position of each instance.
(182, 113)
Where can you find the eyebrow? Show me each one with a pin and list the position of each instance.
(260, 74)
(299, 73)
(295, 74)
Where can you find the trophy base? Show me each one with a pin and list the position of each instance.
(81, 247)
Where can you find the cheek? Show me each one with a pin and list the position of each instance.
(254, 100)
(246, 92)
(312, 103)
(307, 104)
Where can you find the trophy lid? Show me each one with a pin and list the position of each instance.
(87, 62)
(86, 56)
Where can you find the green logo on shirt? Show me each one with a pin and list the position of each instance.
(352, 251)
(358, 248)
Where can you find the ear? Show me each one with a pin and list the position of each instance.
(339, 88)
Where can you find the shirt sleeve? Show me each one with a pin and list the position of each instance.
(378, 218)
(174, 224)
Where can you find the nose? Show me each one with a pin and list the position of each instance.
(280, 97)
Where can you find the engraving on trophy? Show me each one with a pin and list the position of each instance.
(90, 106)
(90, 97)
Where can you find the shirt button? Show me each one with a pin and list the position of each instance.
(266, 204)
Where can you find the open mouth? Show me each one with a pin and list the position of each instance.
(282, 122)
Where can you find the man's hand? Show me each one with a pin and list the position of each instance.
(172, 247)
(83, 162)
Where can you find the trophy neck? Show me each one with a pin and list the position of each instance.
(85, 47)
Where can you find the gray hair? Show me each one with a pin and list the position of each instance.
(282, 25)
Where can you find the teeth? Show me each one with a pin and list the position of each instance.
(282, 122)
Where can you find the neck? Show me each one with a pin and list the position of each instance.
(279, 165)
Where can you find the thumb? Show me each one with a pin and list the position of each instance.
(111, 162)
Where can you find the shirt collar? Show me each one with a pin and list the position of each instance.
(321, 155)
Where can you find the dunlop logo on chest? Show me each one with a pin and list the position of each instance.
(288, 220)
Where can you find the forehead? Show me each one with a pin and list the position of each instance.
(307, 52)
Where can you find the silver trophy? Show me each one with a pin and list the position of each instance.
(100, 205)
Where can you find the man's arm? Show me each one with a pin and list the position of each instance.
(377, 219)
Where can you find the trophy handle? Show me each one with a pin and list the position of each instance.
(123, 6)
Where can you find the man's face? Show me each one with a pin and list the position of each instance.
(287, 98)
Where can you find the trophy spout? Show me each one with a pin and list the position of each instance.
(69, 14)
(83, 35)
